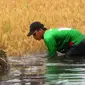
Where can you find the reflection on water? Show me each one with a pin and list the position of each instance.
(66, 74)
(26, 70)
(29, 70)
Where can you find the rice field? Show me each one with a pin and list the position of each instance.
(17, 15)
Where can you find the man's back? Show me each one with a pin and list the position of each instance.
(59, 38)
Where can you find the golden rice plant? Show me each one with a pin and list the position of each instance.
(17, 15)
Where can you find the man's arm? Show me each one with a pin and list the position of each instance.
(51, 45)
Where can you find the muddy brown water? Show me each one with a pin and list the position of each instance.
(30, 70)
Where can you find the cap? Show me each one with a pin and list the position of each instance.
(35, 26)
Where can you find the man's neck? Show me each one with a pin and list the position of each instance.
(43, 34)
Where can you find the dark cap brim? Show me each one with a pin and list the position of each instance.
(29, 34)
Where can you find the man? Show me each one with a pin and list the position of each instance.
(65, 40)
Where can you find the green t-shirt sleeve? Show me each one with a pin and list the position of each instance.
(51, 45)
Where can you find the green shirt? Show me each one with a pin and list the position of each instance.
(57, 39)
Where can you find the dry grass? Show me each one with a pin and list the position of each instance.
(16, 16)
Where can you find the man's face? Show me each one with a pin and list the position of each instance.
(38, 34)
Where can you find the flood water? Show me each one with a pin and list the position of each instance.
(31, 69)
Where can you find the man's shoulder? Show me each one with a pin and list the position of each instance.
(51, 30)
(49, 33)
